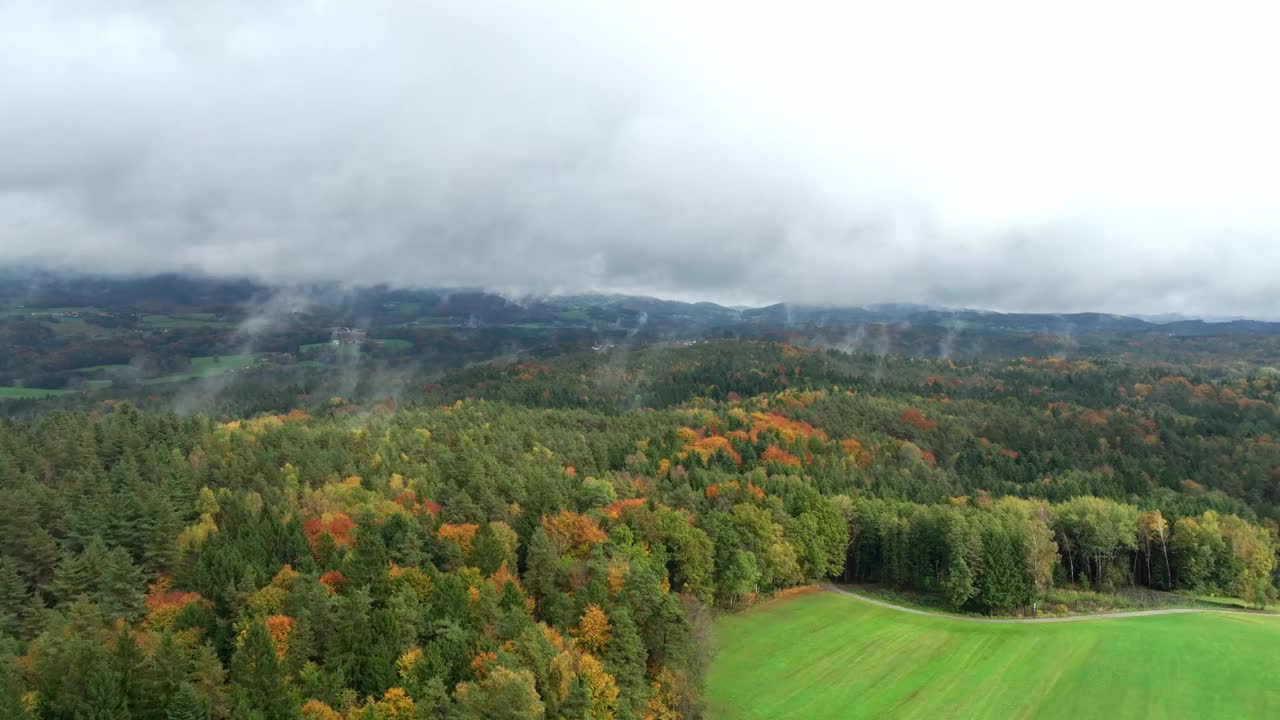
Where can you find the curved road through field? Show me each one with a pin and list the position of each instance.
(1068, 618)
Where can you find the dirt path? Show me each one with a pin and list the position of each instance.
(1069, 618)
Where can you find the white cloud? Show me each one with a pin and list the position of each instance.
(1108, 156)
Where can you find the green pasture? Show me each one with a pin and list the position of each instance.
(21, 392)
(823, 655)
(203, 367)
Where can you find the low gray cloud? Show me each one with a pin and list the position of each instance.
(717, 152)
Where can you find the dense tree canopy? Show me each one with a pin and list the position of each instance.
(536, 545)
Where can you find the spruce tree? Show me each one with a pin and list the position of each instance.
(101, 698)
(71, 578)
(128, 666)
(13, 597)
(121, 587)
(11, 688)
(625, 659)
(258, 681)
(186, 704)
(486, 552)
(543, 567)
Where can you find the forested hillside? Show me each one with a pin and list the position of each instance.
(548, 539)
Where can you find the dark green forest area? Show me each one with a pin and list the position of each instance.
(550, 538)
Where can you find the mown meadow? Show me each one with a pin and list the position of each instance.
(823, 655)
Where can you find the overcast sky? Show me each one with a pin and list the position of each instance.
(1108, 156)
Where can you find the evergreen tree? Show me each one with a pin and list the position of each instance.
(128, 665)
(73, 577)
(13, 597)
(363, 644)
(434, 702)
(258, 682)
(166, 673)
(543, 567)
(102, 698)
(11, 688)
(121, 586)
(486, 553)
(367, 565)
(186, 704)
(625, 659)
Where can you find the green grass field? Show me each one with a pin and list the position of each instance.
(1230, 602)
(202, 367)
(394, 344)
(189, 320)
(18, 392)
(823, 655)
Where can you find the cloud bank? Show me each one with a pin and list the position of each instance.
(1098, 157)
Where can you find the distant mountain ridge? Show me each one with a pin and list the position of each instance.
(177, 292)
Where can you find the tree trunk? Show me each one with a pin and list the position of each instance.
(1168, 573)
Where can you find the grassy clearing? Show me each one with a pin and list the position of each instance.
(830, 656)
(184, 321)
(21, 392)
(1059, 601)
(104, 368)
(1230, 602)
(41, 312)
(203, 367)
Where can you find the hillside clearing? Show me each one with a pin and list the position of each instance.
(832, 656)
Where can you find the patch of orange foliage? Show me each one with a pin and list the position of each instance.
(337, 524)
(854, 449)
(714, 491)
(789, 429)
(480, 663)
(573, 533)
(408, 500)
(775, 454)
(614, 510)
(706, 447)
(502, 576)
(163, 603)
(280, 627)
(917, 420)
(594, 631)
(333, 581)
(319, 710)
(462, 534)
(617, 577)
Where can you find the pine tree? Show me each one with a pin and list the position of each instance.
(121, 586)
(186, 704)
(543, 567)
(365, 656)
(71, 578)
(11, 689)
(434, 702)
(486, 553)
(13, 596)
(101, 698)
(367, 565)
(161, 526)
(167, 673)
(127, 663)
(625, 660)
(257, 679)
